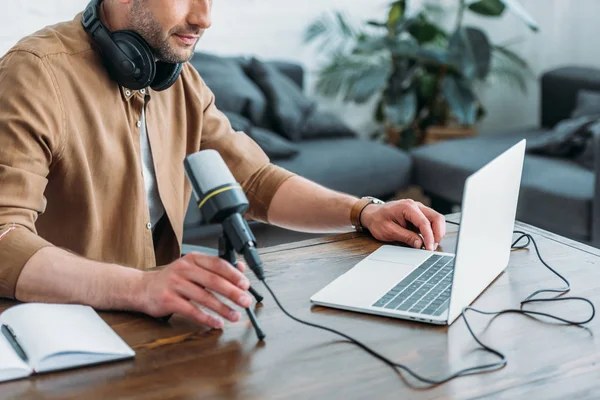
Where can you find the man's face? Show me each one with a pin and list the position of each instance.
(171, 27)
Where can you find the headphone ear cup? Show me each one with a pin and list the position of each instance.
(166, 75)
(140, 53)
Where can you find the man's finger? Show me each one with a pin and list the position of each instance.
(197, 294)
(219, 267)
(217, 284)
(416, 216)
(438, 222)
(241, 266)
(188, 310)
(407, 236)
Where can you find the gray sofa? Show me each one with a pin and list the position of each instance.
(348, 164)
(557, 194)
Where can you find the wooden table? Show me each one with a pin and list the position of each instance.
(184, 360)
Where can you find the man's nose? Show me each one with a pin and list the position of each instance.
(200, 14)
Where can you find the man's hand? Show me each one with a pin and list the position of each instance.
(391, 222)
(193, 278)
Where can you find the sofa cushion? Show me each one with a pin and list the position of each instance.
(272, 144)
(275, 146)
(355, 166)
(233, 89)
(238, 122)
(291, 113)
(322, 124)
(588, 103)
(570, 138)
(556, 194)
(288, 107)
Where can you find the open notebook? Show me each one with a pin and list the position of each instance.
(54, 337)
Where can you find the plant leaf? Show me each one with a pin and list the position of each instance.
(344, 26)
(521, 12)
(511, 56)
(427, 85)
(469, 51)
(315, 30)
(356, 78)
(431, 56)
(402, 26)
(511, 76)
(461, 99)
(400, 108)
(512, 69)
(377, 24)
(333, 32)
(495, 8)
(404, 48)
(424, 31)
(371, 44)
(434, 9)
(482, 51)
(488, 8)
(461, 55)
(396, 12)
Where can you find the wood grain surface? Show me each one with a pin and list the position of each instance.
(180, 359)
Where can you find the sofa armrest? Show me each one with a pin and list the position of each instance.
(559, 92)
(595, 239)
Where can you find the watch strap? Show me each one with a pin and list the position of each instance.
(357, 210)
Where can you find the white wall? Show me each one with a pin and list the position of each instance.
(273, 29)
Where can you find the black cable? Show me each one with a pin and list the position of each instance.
(480, 368)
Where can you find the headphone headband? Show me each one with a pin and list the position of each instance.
(128, 57)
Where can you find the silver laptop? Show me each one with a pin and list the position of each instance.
(434, 287)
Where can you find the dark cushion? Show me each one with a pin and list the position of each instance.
(291, 113)
(291, 69)
(556, 194)
(234, 90)
(238, 122)
(356, 166)
(275, 146)
(568, 139)
(288, 107)
(272, 144)
(588, 103)
(323, 124)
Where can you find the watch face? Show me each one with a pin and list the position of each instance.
(376, 200)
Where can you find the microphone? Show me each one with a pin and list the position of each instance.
(221, 200)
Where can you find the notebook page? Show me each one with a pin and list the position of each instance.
(11, 365)
(45, 330)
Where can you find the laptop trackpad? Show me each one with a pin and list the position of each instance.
(400, 255)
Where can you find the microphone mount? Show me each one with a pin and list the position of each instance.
(227, 253)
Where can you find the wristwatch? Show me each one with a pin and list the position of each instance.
(358, 208)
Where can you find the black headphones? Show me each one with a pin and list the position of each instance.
(128, 57)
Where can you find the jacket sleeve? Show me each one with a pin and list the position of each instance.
(31, 120)
(247, 161)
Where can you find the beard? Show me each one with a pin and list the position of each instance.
(146, 25)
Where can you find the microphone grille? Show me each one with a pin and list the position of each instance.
(209, 170)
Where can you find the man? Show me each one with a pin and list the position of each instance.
(93, 192)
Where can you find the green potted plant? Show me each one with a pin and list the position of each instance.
(421, 75)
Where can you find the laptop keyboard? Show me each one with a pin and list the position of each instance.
(426, 290)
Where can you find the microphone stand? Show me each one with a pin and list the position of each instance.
(227, 252)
